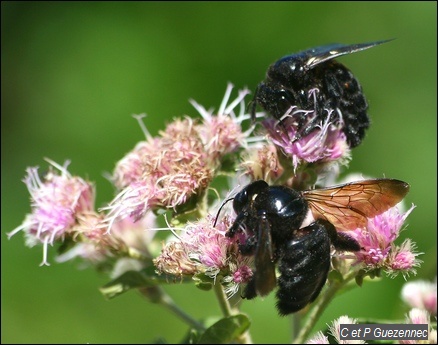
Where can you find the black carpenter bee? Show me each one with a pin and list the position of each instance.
(305, 88)
(271, 219)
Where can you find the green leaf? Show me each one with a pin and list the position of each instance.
(370, 275)
(359, 280)
(203, 285)
(203, 282)
(335, 276)
(225, 330)
(127, 281)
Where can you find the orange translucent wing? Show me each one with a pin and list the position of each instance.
(348, 206)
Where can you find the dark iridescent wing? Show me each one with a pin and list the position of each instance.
(265, 279)
(349, 206)
(331, 51)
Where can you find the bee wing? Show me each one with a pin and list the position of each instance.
(331, 51)
(349, 206)
(265, 279)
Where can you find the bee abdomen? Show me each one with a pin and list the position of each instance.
(304, 265)
(343, 93)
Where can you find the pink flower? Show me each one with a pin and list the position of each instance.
(221, 133)
(326, 143)
(377, 243)
(162, 172)
(57, 202)
(262, 164)
(127, 238)
(420, 317)
(177, 166)
(421, 294)
(205, 250)
(403, 259)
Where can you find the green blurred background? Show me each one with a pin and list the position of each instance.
(72, 75)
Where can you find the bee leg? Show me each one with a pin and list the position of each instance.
(341, 240)
(248, 248)
(252, 106)
(236, 227)
(250, 289)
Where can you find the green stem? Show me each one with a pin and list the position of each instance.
(227, 311)
(222, 299)
(157, 295)
(320, 305)
(295, 323)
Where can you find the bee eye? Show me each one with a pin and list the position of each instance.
(240, 200)
(248, 194)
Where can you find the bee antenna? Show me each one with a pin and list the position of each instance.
(220, 208)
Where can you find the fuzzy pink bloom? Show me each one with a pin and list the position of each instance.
(177, 166)
(57, 202)
(205, 250)
(403, 259)
(377, 243)
(326, 143)
(421, 294)
(221, 132)
(420, 317)
(161, 172)
(96, 244)
(262, 163)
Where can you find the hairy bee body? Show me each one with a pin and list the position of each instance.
(311, 88)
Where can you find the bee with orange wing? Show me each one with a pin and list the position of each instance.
(271, 219)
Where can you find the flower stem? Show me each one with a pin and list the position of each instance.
(227, 311)
(222, 299)
(157, 295)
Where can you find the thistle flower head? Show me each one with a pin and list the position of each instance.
(326, 143)
(203, 249)
(403, 259)
(262, 163)
(221, 133)
(161, 172)
(168, 170)
(377, 243)
(58, 201)
(128, 240)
